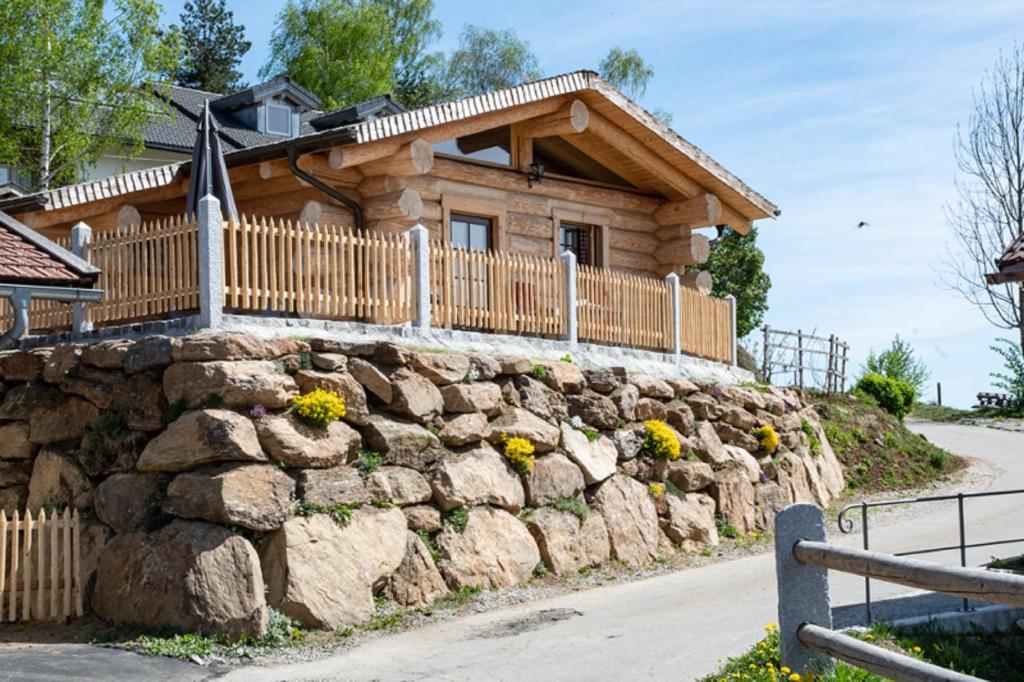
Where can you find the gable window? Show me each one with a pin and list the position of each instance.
(492, 146)
(581, 240)
(279, 119)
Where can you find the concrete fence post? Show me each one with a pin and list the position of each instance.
(572, 333)
(677, 330)
(733, 359)
(803, 589)
(421, 274)
(211, 263)
(81, 239)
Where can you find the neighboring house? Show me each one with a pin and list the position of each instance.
(1009, 266)
(256, 115)
(567, 163)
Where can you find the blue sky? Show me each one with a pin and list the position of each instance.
(836, 111)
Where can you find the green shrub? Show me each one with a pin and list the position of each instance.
(573, 505)
(340, 513)
(894, 396)
(369, 461)
(456, 518)
(812, 436)
(1012, 380)
(898, 362)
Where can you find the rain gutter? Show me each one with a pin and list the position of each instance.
(293, 166)
(21, 296)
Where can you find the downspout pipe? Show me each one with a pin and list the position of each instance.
(20, 295)
(293, 166)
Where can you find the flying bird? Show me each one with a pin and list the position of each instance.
(863, 224)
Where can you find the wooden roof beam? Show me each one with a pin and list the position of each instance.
(702, 210)
(415, 158)
(570, 120)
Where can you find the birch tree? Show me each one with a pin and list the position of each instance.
(75, 83)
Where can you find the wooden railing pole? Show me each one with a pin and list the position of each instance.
(677, 339)
(421, 276)
(211, 263)
(81, 238)
(803, 588)
(571, 323)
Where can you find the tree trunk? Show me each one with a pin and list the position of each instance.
(45, 132)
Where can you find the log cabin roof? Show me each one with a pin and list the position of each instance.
(644, 127)
(1010, 265)
(27, 257)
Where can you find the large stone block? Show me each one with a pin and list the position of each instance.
(631, 519)
(651, 387)
(479, 397)
(465, 429)
(734, 496)
(131, 501)
(415, 396)
(298, 445)
(596, 458)
(62, 420)
(193, 577)
(553, 476)
(337, 485)
(202, 437)
(441, 368)
(14, 441)
(519, 423)
(417, 582)
(402, 443)
(690, 521)
(253, 496)
(594, 409)
(568, 543)
(243, 383)
(398, 485)
(477, 476)
(234, 346)
(494, 550)
(356, 410)
(58, 481)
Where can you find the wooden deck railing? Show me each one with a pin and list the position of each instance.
(319, 271)
(497, 292)
(624, 310)
(329, 272)
(40, 566)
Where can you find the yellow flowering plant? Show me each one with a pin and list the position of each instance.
(519, 453)
(767, 438)
(656, 490)
(660, 441)
(319, 407)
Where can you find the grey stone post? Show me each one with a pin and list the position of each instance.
(732, 328)
(81, 238)
(677, 330)
(211, 263)
(421, 273)
(803, 589)
(572, 333)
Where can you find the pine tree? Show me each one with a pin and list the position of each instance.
(214, 45)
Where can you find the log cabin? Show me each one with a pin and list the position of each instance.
(563, 164)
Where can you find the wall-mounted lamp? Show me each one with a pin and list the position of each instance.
(536, 174)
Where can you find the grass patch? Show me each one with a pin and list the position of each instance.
(539, 372)
(456, 518)
(282, 632)
(340, 513)
(573, 505)
(431, 545)
(456, 598)
(369, 461)
(877, 451)
(812, 436)
(725, 528)
(944, 413)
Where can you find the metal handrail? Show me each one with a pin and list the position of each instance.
(846, 526)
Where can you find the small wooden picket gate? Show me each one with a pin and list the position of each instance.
(40, 566)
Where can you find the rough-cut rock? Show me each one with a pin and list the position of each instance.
(682, 387)
(733, 436)
(62, 421)
(596, 459)
(482, 367)
(547, 404)
(441, 368)
(553, 476)
(625, 399)
(61, 362)
(651, 387)
(15, 473)
(740, 419)
(130, 501)
(14, 441)
(372, 378)
(202, 437)
(13, 497)
(769, 499)
(234, 346)
(356, 410)
(330, 362)
(704, 406)
(650, 408)
(563, 377)
(519, 423)
(481, 397)
(679, 416)
(631, 519)
(629, 440)
(477, 476)
(21, 401)
(402, 443)
(337, 485)
(567, 543)
(108, 354)
(22, 366)
(601, 380)
(398, 485)
(465, 429)
(415, 396)
(152, 352)
(58, 481)
(295, 444)
(417, 582)
(193, 577)
(686, 475)
(746, 460)
(423, 517)
(102, 454)
(322, 574)
(514, 364)
(253, 496)
(392, 354)
(708, 445)
(734, 496)
(690, 522)
(494, 550)
(244, 383)
(594, 409)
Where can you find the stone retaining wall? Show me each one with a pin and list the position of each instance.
(207, 501)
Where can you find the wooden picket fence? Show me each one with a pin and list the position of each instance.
(496, 292)
(625, 310)
(706, 325)
(42, 315)
(319, 271)
(40, 566)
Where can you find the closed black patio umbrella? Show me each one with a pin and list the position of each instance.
(209, 175)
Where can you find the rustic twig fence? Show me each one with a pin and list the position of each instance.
(803, 558)
(40, 566)
(278, 267)
(812, 361)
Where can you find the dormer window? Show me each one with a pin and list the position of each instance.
(279, 119)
